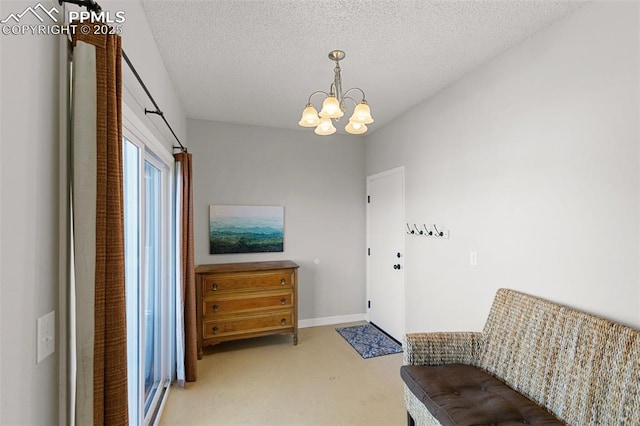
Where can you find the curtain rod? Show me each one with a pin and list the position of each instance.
(157, 110)
(92, 6)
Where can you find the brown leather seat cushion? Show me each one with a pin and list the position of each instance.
(458, 394)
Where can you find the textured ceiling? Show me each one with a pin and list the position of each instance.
(257, 61)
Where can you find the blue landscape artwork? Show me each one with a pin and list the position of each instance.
(246, 229)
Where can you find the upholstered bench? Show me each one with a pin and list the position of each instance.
(536, 362)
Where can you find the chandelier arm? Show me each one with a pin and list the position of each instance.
(333, 91)
(352, 89)
(315, 93)
(350, 98)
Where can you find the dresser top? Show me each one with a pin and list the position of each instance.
(245, 266)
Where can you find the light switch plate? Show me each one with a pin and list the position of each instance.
(46, 336)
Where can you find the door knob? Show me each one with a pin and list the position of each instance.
(398, 255)
(397, 266)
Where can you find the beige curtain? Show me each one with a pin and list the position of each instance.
(188, 280)
(98, 275)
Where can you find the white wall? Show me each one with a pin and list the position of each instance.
(319, 181)
(532, 161)
(29, 219)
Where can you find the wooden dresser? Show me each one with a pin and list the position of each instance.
(242, 300)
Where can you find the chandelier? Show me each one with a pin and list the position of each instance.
(334, 105)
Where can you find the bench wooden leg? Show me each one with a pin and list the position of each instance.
(410, 421)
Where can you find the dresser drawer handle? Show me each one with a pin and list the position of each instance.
(283, 321)
(215, 330)
(215, 308)
(215, 287)
(283, 281)
(282, 301)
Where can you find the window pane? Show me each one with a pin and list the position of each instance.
(153, 280)
(131, 181)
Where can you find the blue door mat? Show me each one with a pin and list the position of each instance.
(368, 341)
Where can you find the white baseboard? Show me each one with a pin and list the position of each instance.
(315, 322)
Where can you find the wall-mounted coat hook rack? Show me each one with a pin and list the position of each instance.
(427, 231)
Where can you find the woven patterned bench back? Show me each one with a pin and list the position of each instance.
(584, 369)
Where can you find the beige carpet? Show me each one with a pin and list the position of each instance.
(268, 381)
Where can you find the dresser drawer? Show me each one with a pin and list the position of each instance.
(220, 305)
(212, 284)
(251, 324)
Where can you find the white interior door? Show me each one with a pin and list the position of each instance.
(385, 253)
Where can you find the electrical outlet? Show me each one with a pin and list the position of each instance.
(473, 258)
(46, 336)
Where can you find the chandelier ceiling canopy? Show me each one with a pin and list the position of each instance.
(334, 105)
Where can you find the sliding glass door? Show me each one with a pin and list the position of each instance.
(149, 263)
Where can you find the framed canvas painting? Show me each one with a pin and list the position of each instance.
(246, 229)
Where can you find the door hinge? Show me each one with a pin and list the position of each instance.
(368, 198)
(369, 304)
(369, 251)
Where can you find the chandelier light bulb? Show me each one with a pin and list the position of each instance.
(362, 114)
(331, 108)
(309, 117)
(355, 128)
(325, 127)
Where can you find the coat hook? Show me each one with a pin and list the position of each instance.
(428, 232)
(417, 230)
(438, 233)
(410, 231)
